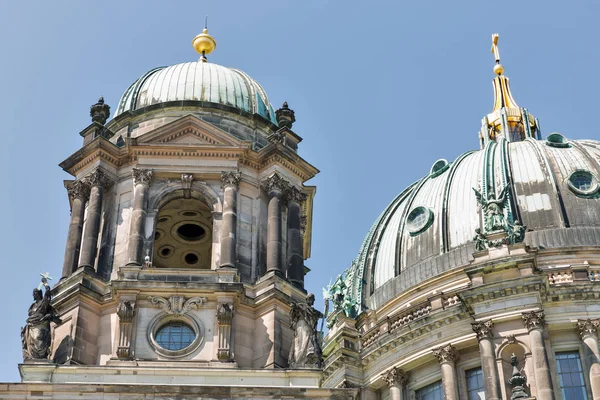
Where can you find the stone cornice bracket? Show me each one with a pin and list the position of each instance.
(176, 305)
(483, 329)
(99, 178)
(446, 354)
(295, 195)
(230, 178)
(534, 320)
(277, 137)
(79, 190)
(275, 185)
(126, 311)
(225, 313)
(588, 327)
(142, 176)
(186, 180)
(395, 377)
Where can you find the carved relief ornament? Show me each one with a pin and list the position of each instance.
(79, 190)
(126, 311)
(231, 178)
(395, 377)
(225, 313)
(142, 176)
(534, 320)
(275, 184)
(176, 304)
(588, 327)
(483, 329)
(446, 354)
(98, 178)
(294, 195)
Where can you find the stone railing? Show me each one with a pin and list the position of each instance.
(398, 320)
(560, 277)
(594, 275)
(573, 274)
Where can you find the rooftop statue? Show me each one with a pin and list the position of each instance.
(306, 349)
(36, 336)
(493, 209)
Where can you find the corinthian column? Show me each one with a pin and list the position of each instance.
(534, 322)
(98, 181)
(79, 192)
(588, 330)
(274, 186)
(396, 380)
(141, 183)
(485, 338)
(447, 356)
(295, 256)
(230, 181)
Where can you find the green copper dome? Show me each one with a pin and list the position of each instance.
(197, 81)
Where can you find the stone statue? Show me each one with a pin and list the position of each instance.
(480, 240)
(306, 349)
(517, 232)
(517, 380)
(493, 209)
(36, 336)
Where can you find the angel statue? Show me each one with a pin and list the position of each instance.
(493, 209)
(36, 336)
(305, 351)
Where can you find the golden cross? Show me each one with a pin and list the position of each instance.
(495, 48)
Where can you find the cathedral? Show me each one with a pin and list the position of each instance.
(191, 220)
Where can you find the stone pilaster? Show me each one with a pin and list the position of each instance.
(588, 331)
(275, 186)
(535, 322)
(79, 193)
(126, 313)
(141, 184)
(396, 380)
(98, 182)
(485, 337)
(225, 319)
(295, 251)
(447, 356)
(230, 181)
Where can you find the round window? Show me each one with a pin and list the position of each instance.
(175, 336)
(557, 140)
(583, 183)
(418, 220)
(438, 168)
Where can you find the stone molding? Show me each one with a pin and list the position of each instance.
(275, 185)
(142, 176)
(231, 178)
(225, 313)
(587, 327)
(98, 178)
(176, 304)
(395, 377)
(483, 329)
(126, 311)
(534, 320)
(446, 354)
(79, 190)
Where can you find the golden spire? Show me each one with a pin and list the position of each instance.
(502, 95)
(204, 43)
(498, 68)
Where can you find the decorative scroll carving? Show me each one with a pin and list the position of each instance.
(225, 313)
(517, 381)
(588, 327)
(446, 354)
(294, 195)
(100, 111)
(79, 190)
(142, 176)
(231, 178)
(125, 312)
(176, 304)
(276, 137)
(534, 320)
(483, 329)
(224, 318)
(305, 351)
(285, 116)
(395, 377)
(98, 178)
(511, 339)
(275, 184)
(186, 180)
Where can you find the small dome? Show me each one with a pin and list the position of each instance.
(197, 81)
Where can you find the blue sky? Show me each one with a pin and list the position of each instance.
(381, 91)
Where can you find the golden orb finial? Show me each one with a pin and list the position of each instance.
(204, 43)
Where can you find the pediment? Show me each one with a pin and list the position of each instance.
(189, 130)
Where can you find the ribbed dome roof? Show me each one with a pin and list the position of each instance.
(429, 227)
(197, 81)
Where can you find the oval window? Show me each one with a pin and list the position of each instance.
(438, 167)
(557, 140)
(418, 220)
(175, 336)
(583, 183)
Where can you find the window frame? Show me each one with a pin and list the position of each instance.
(586, 383)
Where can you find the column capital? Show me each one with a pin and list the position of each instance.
(294, 195)
(225, 313)
(275, 185)
(446, 354)
(99, 178)
(126, 311)
(79, 190)
(587, 327)
(395, 377)
(230, 178)
(483, 329)
(534, 320)
(142, 176)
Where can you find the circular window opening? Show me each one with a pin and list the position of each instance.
(157, 235)
(583, 183)
(163, 219)
(438, 167)
(189, 213)
(175, 336)
(557, 140)
(418, 220)
(191, 232)
(191, 259)
(165, 252)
